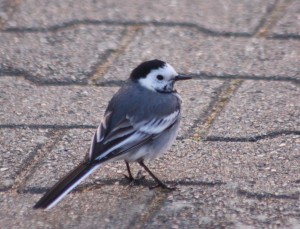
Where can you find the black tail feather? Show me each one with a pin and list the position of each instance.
(65, 185)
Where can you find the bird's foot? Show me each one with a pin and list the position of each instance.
(163, 186)
(135, 180)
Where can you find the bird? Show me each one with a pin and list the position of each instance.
(140, 123)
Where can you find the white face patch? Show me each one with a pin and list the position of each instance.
(161, 79)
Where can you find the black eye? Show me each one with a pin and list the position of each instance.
(159, 77)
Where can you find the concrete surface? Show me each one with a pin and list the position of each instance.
(236, 159)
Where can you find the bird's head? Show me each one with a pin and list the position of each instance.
(156, 75)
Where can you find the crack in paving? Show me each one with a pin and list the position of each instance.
(11, 71)
(290, 36)
(129, 33)
(102, 60)
(266, 195)
(125, 23)
(201, 29)
(269, 12)
(256, 138)
(14, 72)
(33, 160)
(211, 138)
(47, 126)
(209, 76)
(207, 112)
(269, 23)
(153, 207)
(111, 83)
(217, 105)
(273, 16)
(97, 184)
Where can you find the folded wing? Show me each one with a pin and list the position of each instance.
(127, 135)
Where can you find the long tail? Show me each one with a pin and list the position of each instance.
(65, 185)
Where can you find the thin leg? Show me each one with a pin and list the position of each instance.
(159, 183)
(129, 177)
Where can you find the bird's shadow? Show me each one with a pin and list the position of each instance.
(97, 184)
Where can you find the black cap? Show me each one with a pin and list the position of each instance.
(145, 68)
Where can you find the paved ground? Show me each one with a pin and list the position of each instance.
(236, 161)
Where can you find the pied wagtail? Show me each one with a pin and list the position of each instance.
(140, 122)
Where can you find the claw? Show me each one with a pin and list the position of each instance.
(135, 181)
(129, 178)
(163, 186)
(159, 182)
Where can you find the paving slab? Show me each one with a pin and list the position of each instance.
(197, 97)
(221, 207)
(265, 166)
(218, 183)
(117, 207)
(26, 103)
(192, 52)
(231, 184)
(64, 156)
(289, 24)
(17, 147)
(230, 16)
(245, 174)
(6, 9)
(259, 108)
(70, 55)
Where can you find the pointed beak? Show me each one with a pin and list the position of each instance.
(182, 77)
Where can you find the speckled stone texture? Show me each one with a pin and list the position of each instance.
(235, 162)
